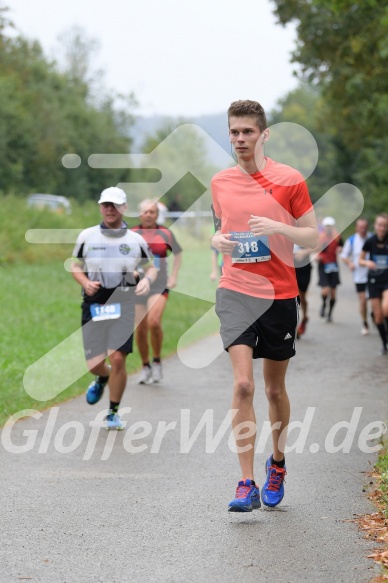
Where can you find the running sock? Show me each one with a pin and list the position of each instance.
(332, 302)
(103, 379)
(114, 407)
(280, 464)
(147, 364)
(322, 312)
(383, 335)
(157, 360)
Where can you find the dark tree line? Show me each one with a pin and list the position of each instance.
(342, 48)
(48, 111)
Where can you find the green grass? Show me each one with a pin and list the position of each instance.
(380, 497)
(382, 467)
(40, 301)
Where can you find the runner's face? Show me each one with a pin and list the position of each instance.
(243, 134)
(362, 228)
(381, 227)
(149, 217)
(111, 215)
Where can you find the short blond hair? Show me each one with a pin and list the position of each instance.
(147, 203)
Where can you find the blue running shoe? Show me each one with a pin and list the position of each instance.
(94, 392)
(247, 497)
(273, 490)
(113, 421)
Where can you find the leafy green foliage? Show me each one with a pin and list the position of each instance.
(342, 48)
(304, 106)
(181, 151)
(47, 112)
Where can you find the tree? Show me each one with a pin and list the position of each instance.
(304, 106)
(343, 50)
(47, 112)
(182, 150)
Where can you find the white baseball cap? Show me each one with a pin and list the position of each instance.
(113, 194)
(328, 222)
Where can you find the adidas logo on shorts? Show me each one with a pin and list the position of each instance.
(287, 336)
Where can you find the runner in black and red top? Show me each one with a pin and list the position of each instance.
(150, 308)
(328, 271)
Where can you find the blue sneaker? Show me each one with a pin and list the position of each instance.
(94, 392)
(273, 490)
(247, 497)
(113, 421)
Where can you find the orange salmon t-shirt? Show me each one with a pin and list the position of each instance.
(279, 193)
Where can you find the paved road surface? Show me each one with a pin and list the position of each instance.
(161, 516)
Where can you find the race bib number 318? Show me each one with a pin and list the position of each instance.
(250, 248)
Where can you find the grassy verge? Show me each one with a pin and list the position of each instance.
(375, 525)
(382, 468)
(41, 308)
(378, 530)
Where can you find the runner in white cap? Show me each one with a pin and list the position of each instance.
(105, 261)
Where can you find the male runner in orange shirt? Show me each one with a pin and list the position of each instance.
(261, 208)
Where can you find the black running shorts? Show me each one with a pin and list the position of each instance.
(269, 327)
(303, 276)
(360, 287)
(327, 279)
(376, 287)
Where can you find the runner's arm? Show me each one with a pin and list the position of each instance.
(366, 262)
(77, 271)
(346, 255)
(176, 265)
(147, 277)
(220, 241)
(305, 233)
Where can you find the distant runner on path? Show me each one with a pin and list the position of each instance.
(303, 275)
(328, 271)
(377, 264)
(350, 255)
(150, 306)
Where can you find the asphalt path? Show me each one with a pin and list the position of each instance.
(85, 505)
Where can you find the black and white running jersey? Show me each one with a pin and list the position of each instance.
(111, 256)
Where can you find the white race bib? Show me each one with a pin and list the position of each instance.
(105, 311)
(251, 248)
